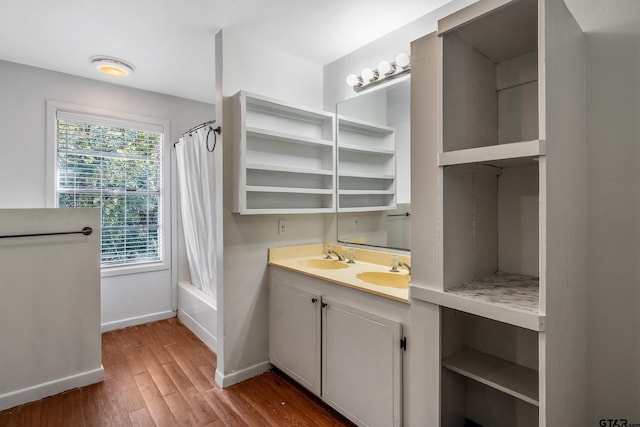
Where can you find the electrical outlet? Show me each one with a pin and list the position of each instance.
(355, 222)
(282, 226)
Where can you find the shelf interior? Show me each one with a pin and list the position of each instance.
(508, 377)
(512, 291)
(489, 370)
(490, 79)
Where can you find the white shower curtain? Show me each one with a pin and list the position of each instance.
(197, 199)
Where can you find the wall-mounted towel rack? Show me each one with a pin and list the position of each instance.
(87, 231)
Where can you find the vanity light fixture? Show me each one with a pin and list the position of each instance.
(112, 66)
(386, 71)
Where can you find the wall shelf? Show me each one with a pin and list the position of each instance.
(284, 157)
(289, 138)
(367, 166)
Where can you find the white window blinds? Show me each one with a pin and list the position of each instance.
(115, 166)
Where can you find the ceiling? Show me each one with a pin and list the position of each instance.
(171, 42)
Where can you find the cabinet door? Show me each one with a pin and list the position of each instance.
(294, 334)
(362, 366)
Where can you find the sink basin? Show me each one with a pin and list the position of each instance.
(382, 278)
(323, 264)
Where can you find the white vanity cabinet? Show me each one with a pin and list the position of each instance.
(284, 157)
(294, 333)
(361, 364)
(499, 135)
(359, 347)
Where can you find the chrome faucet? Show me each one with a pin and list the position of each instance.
(331, 251)
(395, 263)
(404, 264)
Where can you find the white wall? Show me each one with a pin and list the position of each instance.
(613, 220)
(126, 299)
(243, 340)
(50, 302)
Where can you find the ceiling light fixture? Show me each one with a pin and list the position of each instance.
(386, 71)
(112, 66)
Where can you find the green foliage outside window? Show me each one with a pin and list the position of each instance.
(117, 170)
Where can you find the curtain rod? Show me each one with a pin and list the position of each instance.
(215, 131)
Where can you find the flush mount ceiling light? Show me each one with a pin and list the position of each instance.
(112, 66)
(386, 71)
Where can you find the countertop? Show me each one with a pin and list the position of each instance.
(293, 258)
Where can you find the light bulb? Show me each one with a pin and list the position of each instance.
(352, 80)
(402, 60)
(384, 67)
(367, 75)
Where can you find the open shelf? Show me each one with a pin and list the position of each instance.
(489, 371)
(508, 377)
(371, 150)
(493, 155)
(512, 291)
(288, 169)
(488, 303)
(284, 157)
(286, 137)
(490, 77)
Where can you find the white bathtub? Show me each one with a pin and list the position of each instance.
(198, 311)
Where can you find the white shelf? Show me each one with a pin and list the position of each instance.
(363, 192)
(370, 208)
(370, 150)
(366, 166)
(508, 377)
(362, 126)
(493, 155)
(508, 298)
(285, 109)
(284, 157)
(287, 169)
(372, 175)
(293, 190)
(286, 137)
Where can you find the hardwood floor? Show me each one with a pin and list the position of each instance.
(161, 374)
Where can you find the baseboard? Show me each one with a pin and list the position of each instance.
(133, 321)
(236, 377)
(49, 388)
(205, 336)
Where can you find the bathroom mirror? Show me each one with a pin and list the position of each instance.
(374, 166)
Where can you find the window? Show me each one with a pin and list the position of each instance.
(115, 165)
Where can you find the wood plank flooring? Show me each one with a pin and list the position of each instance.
(160, 374)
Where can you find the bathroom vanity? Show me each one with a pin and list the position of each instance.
(338, 335)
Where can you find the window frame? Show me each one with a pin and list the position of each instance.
(115, 118)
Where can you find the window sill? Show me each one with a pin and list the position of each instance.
(133, 269)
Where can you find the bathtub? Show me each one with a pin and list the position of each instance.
(198, 311)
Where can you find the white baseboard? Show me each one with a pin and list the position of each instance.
(133, 321)
(49, 388)
(236, 377)
(205, 336)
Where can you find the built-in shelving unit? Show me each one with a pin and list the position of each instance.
(510, 216)
(508, 377)
(479, 354)
(366, 166)
(284, 157)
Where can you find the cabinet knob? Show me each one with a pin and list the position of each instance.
(324, 304)
(314, 300)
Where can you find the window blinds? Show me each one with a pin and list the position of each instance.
(115, 167)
